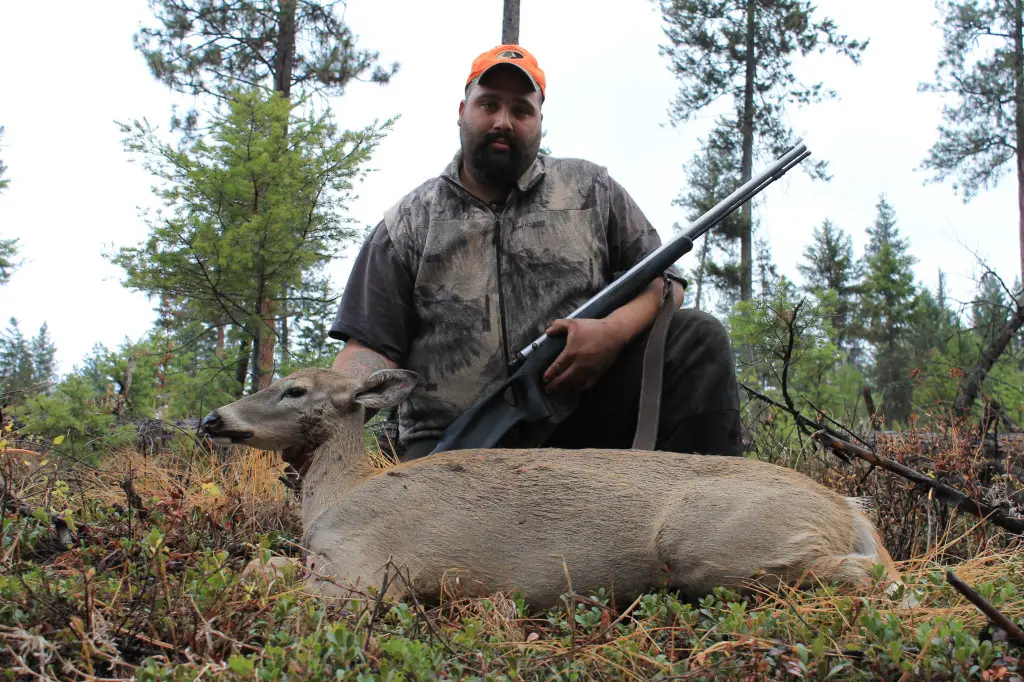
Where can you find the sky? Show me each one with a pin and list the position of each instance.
(69, 73)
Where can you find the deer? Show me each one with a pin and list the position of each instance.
(538, 521)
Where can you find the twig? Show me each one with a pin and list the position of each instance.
(622, 616)
(943, 492)
(19, 451)
(821, 413)
(379, 606)
(995, 615)
(788, 356)
(797, 416)
(422, 612)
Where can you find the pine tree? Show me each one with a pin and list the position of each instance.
(17, 370)
(44, 356)
(8, 247)
(8, 259)
(743, 49)
(208, 47)
(285, 47)
(315, 306)
(888, 300)
(3, 168)
(712, 175)
(248, 214)
(982, 66)
(828, 265)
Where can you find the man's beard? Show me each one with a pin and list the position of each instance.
(500, 168)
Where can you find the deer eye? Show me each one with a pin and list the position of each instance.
(294, 392)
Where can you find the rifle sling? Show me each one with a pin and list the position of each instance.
(653, 370)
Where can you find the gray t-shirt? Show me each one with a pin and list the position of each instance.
(451, 287)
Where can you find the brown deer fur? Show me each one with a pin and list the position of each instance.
(533, 520)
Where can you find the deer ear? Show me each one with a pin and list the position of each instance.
(385, 387)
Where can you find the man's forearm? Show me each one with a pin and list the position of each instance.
(632, 318)
(356, 360)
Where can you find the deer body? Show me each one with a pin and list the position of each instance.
(543, 520)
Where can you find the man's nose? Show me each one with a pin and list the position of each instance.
(502, 120)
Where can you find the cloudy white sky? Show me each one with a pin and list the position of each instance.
(68, 72)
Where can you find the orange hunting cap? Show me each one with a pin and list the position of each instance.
(508, 54)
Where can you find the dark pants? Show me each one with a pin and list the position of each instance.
(699, 399)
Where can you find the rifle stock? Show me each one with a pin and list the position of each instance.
(521, 398)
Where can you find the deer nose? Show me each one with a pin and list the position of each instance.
(211, 422)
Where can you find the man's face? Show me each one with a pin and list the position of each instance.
(500, 126)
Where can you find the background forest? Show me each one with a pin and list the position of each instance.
(254, 180)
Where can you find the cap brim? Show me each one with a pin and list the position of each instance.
(526, 73)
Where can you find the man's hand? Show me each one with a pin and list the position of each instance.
(591, 347)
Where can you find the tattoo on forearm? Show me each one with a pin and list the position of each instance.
(362, 363)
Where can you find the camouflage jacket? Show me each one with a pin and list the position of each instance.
(451, 287)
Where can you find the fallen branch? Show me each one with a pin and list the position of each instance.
(943, 492)
(995, 615)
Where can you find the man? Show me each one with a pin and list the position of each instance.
(475, 264)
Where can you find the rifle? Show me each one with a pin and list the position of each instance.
(489, 419)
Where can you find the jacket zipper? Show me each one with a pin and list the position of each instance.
(497, 237)
(501, 299)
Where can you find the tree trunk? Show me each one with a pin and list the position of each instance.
(242, 369)
(971, 384)
(265, 355)
(869, 403)
(219, 350)
(129, 374)
(284, 53)
(941, 295)
(1018, 99)
(283, 321)
(510, 23)
(284, 62)
(700, 271)
(126, 387)
(747, 161)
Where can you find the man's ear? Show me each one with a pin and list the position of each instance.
(385, 388)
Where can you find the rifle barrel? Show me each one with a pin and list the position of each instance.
(638, 277)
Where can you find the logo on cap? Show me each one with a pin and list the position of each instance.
(510, 54)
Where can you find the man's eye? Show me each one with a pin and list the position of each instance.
(294, 392)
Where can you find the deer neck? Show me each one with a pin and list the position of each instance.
(339, 464)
